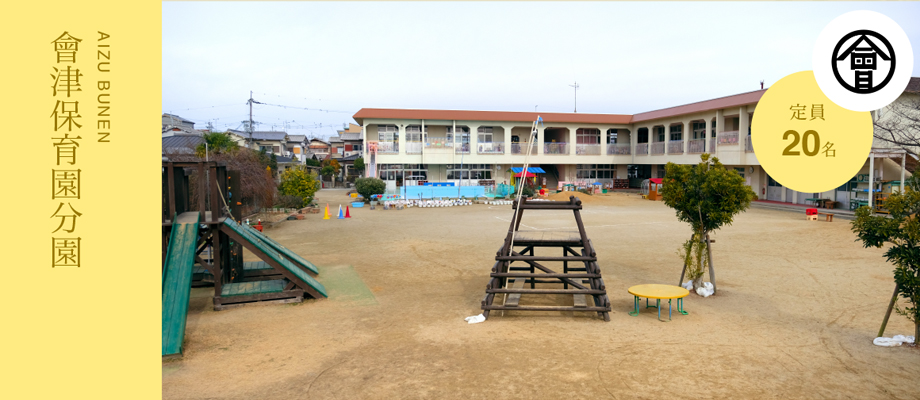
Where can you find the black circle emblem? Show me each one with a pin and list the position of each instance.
(863, 61)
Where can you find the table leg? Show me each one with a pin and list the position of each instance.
(658, 305)
(680, 306)
(636, 302)
(669, 309)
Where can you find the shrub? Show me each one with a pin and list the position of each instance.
(368, 187)
(288, 201)
(300, 182)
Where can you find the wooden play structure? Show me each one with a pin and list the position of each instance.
(200, 232)
(578, 262)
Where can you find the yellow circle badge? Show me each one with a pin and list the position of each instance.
(806, 142)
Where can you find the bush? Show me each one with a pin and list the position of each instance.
(299, 182)
(527, 191)
(368, 187)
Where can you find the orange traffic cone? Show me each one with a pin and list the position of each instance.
(347, 214)
(326, 216)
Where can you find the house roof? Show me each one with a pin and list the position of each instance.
(351, 136)
(465, 115)
(706, 105)
(352, 157)
(297, 138)
(269, 135)
(335, 139)
(913, 86)
(184, 144)
(178, 118)
(283, 160)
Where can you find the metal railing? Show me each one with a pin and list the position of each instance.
(728, 138)
(555, 148)
(413, 147)
(748, 146)
(521, 148)
(388, 147)
(657, 148)
(438, 143)
(462, 148)
(642, 149)
(618, 148)
(490, 148)
(587, 149)
(712, 146)
(676, 147)
(697, 146)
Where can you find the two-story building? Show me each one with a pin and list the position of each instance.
(464, 147)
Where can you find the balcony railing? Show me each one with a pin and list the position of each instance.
(642, 149)
(462, 148)
(618, 148)
(413, 147)
(490, 148)
(712, 146)
(521, 148)
(388, 147)
(587, 149)
(676, 147)
(555, 148)
(658, 148)
(748, 146)
(697, 146)
(438, 143)
(728, 138)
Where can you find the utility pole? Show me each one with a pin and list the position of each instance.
(576, 95)
(250, 119)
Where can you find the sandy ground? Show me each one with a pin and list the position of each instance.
(798, 306)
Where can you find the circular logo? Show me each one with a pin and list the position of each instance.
(806, 142)
(862, 60)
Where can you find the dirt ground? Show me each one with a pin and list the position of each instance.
(798, 305)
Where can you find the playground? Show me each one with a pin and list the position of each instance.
(797, 307)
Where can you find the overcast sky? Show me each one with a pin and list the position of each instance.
(340, 57)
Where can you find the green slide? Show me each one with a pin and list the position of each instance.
(275, 256)
(290, 255)
(177, 280)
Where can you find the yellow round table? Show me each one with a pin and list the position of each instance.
(659, 292)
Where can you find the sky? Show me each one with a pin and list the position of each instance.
(316, 64)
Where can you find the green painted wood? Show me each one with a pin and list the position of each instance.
(250, 288)
(177, 281)
(256, 266)
(264, 247)
(284, 251)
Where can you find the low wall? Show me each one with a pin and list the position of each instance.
(428, 192)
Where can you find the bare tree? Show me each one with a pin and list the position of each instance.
(899, 123)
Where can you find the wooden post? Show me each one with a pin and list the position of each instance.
(712, 272)
(684, 271)
(894, 299)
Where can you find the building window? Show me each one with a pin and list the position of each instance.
(611, 136)
(740, 171)
(398, 172)
(414, 133)
(587, 136)
(463, 133)
(661, 170)
(485, 134)
(772, 183)
(388, 133)
(699, 130)
(677, 132)
(595, 171)
(469, 171)
(713, 133)
(659, 131)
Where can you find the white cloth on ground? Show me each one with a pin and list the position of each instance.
(475, 319)
(897, 340)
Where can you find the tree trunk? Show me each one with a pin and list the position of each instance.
(698, 283)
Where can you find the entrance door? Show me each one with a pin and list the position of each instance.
(774, 190)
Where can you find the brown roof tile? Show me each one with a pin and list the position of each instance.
(707, 105)
(913, 86)
(463, 115)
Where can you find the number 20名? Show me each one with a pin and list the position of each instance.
(808, 136)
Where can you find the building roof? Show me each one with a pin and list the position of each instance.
(913, 86)
(335, 139)
(269, 135)
(178, 118)
(464, 115)
(706, 105)
(352, 157)
(283, 160)
(297, 138)
(184, 144)
(736, 100)
(351, 136)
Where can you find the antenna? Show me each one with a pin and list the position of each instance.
(576, 95)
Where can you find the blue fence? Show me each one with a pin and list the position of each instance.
(428, 192)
